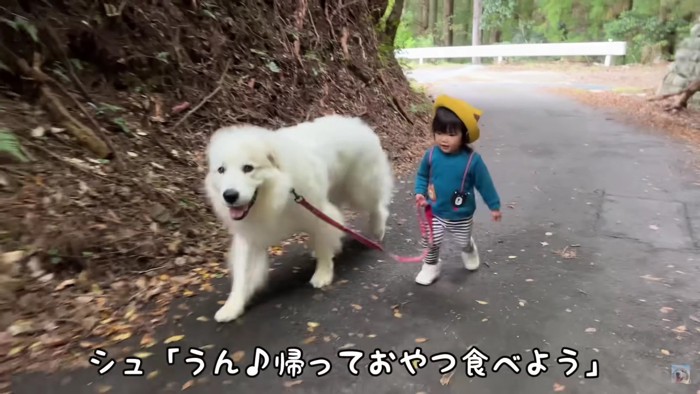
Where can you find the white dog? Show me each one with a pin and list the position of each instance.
(333, 162)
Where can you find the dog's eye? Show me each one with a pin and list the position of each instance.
(221, 170)
(247, 168)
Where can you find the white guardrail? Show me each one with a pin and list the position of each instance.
(500, 51)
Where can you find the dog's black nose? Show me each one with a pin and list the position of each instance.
(230, 196)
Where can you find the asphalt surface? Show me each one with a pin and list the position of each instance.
(625, 200)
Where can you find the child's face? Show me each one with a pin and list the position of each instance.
(449, 142)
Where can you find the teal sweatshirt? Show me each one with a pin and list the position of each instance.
(447, 174)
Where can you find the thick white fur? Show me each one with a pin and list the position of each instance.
(333, 162)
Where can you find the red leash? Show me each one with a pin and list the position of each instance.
(425, 226)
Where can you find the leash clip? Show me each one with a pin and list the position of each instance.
(297, 197)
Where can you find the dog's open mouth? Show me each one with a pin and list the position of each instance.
(240, 212)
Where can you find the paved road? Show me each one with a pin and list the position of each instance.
(575, 177)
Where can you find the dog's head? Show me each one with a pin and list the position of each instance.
(241, 160)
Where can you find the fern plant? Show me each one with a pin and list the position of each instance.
(10, 144)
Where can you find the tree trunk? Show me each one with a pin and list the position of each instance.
(392, 22)
(476, 28)
(448, 9)
(432, 20)
(425, 15)
(496, 36)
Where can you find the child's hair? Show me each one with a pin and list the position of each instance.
(447, 122)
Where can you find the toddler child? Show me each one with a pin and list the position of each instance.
(446, 178)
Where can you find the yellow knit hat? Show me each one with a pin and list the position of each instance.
(466, 113)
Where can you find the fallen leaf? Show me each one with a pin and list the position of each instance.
(548, 234)
(147, 341)
(188, 293)
(86, 344)
(694, 318)
(238, 356)
(521, 302)
(292, 383)
(356, 307)
(666, 309)
(545, 243)
(665, 352)
(203, 318)
(64, 284)
(591, 329)
(482, 302)
(652, 278)
(415, 363)
(131, 310)
(654, 227)
(680, 329)
(512, 257)
(101, 389)
(180, 107)
(567, 253)
(95, 289)
(38, 132)
(187, 384)
(397, 314)
(121, 337)
(559, 387)
(529, 280)
(445, 379)
(15, 350)
(421, 340)
(312, 325)
(12, 257)
(309, 340)
(143, 355)
(174, 338)
(20, 327)
(152, 375)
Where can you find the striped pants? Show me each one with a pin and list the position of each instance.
(460, 229)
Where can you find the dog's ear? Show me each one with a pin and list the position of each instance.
(273, 160)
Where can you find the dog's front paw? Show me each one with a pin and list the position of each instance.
(321, 278)
(227, 313)
(379, 233)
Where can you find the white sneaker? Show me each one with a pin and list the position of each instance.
(428, 274)
(471, 259)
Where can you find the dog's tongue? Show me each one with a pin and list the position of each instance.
(237, 213)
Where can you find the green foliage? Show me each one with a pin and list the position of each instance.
(651, 27)
(4, 67)
(21, 23)
(556, 20)
(10, 144)
(405, 37)
(496, 13)
(527, 33)
(642, 31)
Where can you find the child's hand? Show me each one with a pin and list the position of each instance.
(496, 215)
(420, 200)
